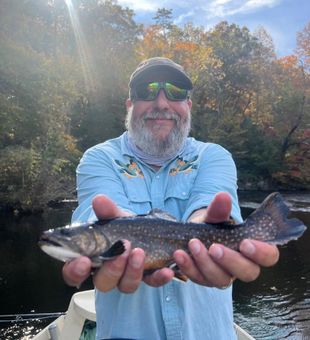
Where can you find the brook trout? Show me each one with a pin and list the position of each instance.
(160, 234)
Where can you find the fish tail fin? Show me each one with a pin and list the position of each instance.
(275, 212)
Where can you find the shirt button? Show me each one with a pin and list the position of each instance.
(157, 176)
(168, 298)
(183, 193)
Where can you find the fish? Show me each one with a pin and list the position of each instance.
(160, 234)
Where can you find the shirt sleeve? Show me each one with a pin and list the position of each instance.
(216, 173)
(96, 175)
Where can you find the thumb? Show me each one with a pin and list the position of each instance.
(105, 208)
(219, 209)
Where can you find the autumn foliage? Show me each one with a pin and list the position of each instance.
(62, 92)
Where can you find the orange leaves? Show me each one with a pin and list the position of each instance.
(288, 62)
(291, 70)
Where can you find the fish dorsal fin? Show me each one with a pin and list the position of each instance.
(158, 213)
(116, 249)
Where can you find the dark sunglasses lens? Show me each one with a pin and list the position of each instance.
(147, 91)
(175, 93)
(150, 91)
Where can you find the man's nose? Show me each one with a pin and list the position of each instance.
(161, 102)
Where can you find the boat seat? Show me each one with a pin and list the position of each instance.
(82, 307)
(84, 303)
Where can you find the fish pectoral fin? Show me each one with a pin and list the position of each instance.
(116, 249)
(178, 275)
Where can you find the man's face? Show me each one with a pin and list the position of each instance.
(159, 127)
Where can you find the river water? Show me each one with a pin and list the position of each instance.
(275, 306)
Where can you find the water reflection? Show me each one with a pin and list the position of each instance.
(276, 306)
(29, 281)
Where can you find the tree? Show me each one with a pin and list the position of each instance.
(45, 101)
(291, 119)
(303, 46)
(37, 154)
(163, 19)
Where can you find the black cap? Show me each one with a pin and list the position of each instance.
(154, 68)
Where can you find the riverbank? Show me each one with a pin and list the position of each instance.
(245, 195)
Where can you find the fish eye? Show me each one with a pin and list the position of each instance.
(65, 232)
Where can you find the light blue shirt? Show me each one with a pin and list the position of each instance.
(176, 310)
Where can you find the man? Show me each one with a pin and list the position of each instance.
(155, 165)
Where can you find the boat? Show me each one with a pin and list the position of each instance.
(82, 309)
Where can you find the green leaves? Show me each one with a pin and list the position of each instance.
(244, 98)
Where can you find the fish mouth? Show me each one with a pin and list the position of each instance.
(46, 242)
(57, 250)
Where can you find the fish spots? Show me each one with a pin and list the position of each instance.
(160, 237)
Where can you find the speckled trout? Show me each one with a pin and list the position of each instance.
(160, 234)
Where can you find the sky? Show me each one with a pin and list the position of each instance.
(282, 19)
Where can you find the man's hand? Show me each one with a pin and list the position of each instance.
(124, 272)
(219, 266)
(216, 267)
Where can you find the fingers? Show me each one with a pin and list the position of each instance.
(132, 276)
(110, 273)
(214, 267)
(200, 267)
(262, 253)
(188, 267)
(234, 263)
(159, 277)
(246, 264)
(219, 265)
(218, 210)
(105, 208)
(125, 272)
(76, 271)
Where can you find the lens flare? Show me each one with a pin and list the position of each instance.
(83, 49)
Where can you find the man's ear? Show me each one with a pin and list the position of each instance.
(189, 103)
(129, 104)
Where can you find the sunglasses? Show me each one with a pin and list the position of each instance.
(149, 91)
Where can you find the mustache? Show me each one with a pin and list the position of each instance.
(162, 115)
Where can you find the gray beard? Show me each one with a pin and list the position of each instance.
(148, 143)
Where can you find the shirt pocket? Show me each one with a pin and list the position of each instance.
(180, 185)
(134, 185)
(137, 194)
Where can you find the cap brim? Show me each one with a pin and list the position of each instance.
(161, 73)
